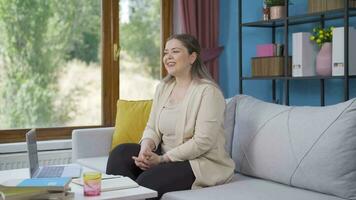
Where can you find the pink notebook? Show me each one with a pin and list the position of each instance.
(265, 50)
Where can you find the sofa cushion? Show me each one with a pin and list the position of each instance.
(229, 123)
(247, 188)
(131, 120)
(307, 147)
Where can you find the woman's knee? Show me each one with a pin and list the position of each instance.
(126, 148)
(121, 155)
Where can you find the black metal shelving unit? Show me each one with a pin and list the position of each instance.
(320, 17)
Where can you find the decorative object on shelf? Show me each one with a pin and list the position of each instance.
(297, 18)
(325, 5)
(279, 49)
(303, 54)
(266, 11)
(276, 8)
(266, 50)
(270, 66)
(323, 60)
(323, 37)
(338, 51)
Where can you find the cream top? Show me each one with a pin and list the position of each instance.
(167, 126)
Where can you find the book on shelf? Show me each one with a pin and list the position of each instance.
(112, 183)
(268, 50)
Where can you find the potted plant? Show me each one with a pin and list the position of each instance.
(323, 38)
(276, 8)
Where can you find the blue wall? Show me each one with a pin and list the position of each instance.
(302, 92)
(228, 79)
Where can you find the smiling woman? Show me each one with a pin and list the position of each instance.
(184, 130)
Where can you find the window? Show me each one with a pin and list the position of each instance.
(50, 64)
(58, 71)
(140, 44)
(53, 57)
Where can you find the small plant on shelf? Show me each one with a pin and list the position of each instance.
(322, 35)
(275, 8)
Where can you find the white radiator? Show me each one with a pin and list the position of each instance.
(14, 155)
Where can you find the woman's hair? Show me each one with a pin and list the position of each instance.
(198, 70)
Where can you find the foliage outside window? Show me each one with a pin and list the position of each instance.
(140, 48)
(39, 39)
(47, 45)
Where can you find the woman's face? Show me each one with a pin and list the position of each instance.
(176, 59)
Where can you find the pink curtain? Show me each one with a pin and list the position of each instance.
(200, 18)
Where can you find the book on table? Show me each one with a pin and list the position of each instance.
(36, 188)
(110, 184)
(14, 193)
(54, 184)
(20, 193)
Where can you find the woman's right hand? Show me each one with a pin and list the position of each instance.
(141, 160)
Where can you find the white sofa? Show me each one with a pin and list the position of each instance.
(281, 152)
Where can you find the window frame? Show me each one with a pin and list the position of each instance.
(110, 73)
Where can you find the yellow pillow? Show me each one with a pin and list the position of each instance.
(131, 120)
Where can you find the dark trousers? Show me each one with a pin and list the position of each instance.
(165, 177)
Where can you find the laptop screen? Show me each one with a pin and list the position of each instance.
(32, 151)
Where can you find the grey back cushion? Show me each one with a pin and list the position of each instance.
(229, 123)
(308, 147)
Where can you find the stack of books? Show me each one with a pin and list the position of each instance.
(37, 188)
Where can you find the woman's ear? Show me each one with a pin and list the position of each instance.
(193, 57)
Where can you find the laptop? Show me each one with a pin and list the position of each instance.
(52, 171)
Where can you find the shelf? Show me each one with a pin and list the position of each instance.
(295, 78)
(342, 14)
(302, 19)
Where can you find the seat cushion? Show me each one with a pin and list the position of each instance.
(247, 188)
(131, 120)
(308, 147)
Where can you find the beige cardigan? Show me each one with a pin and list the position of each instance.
(200, 132)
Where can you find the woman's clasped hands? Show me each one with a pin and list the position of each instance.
(146, 158)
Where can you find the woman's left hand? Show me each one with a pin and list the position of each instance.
(152, 158)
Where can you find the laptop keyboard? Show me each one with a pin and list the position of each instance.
(49, 172)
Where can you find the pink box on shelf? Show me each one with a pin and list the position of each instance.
(266, 50)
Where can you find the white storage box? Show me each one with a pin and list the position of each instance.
(338, 51)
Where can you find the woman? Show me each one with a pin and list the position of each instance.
(182, 146)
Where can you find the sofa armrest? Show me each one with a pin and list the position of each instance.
(94, 142)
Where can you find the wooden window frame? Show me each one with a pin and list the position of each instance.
(110, 73)
(166, 28)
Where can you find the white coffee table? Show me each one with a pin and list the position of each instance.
(125, 194)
